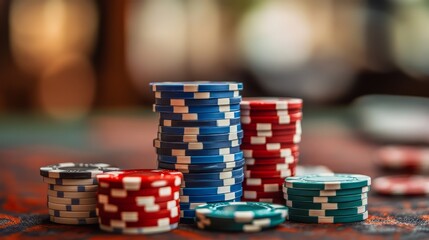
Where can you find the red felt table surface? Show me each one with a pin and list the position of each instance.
(126, 141)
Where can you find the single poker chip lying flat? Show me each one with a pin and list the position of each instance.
(278, 153)
(252, 112)
(136, 216)
(271, 103)
(205, 152)
(198, 102)
(189, 138)
(73, 208)
(201, 159)
(275, 142)
(199, 116)
(274, 127)
(69, 182)
(268, 146)
(196, 109)
(322, 213)
(73, 221)
(272, 167)
(210, 190)
(329, 219)
(402, 185)
(336, 199)
(201, 168)
(286, 119)
(72, 201)
(326, 206)
(137, 200)
(270, 161)
(213, 175)
(212, 198)
(268, 174)
(213, 183)
(262, 181)
(146, 208)
(248, 194)
(139, 230)
(75, 170)
(61, 194)
(213, 123)
(198, 86)
(326, 193)
(155, 192)
(197, 95)
(268, 187)
(145, 222)
(139, 178)
(69, 214)
(200, 130)
(71, 188)
(196, 145)
(328, 181)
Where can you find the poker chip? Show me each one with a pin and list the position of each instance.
(75, 170)
(123, 193)
(62, 194)
(271, 103)
(194, 205)
(258, 194)
(198, 102)
(72, 201)
(276, 142)
(136, 216)
(326, 193)
(68, 214)
(322, 213)
(262, 181)
(336, 199)
(274, 127)
(404, 158)
(328, 181)
(279, 120)
(256, 225)
(153, 207)
(270, 161)
(404, 185)
(252, 112)
(277, 153)
(329, 219)
(200, 135)
(73, 221)
(271, 167)
(328, 206)
(138, 230)
(142, 222)
(71, 188)
(268, 174)
(137, 200)
(268, 187)
(213, 123)
(73, 208)
(70, 182)
(196, 86)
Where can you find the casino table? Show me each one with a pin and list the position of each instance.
(125, 140)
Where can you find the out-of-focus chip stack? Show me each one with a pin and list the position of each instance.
(72, 191)
(139, 201)
(200, 135)
(272, 130)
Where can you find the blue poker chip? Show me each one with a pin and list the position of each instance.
(199, 130)
(196, 145)
(207, 152)
(201, 138)
(213, 123)
(188, 206)
(199, 116)
(198, 86)
(213, 183)
(196, 109)
(198, 102)
(212, 198)
(210, 190)
(196, 168)
(187, 213)
(197, 95)
(201, 159)
(213, 176)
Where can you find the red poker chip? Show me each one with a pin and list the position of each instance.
(271, 126)
(404, 158)
(252, 112)
(134, 216)
(155, 192)
(402, 185)
(271, 103)
(270, 161)
(262, 181)
(275, 142)
(278, 153)
(139, 179)
(144, 222)
(255, 194)
(268, 174)
(268, 187)
(272, 167)
(281, 120)
(109, 207)
(136, 200)
(270, 133)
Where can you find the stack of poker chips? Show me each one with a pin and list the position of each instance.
(240, 216)
(72, 191)
(272, 131)
(200, 135)
(327, 198)
(139, 201)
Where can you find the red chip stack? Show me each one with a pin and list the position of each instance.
(139, 201)
(272, 131)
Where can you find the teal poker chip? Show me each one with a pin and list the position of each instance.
(342, 205)
(229, 225)
(328, 181)
(197, 86)
(241, 212)
(325, 193)
(322, 213)
(329, 219)
(336, 199)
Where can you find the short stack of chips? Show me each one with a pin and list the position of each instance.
(272, 131)
(200, 135)
(72, 191)
(327, 198)
(139, 201)
(240, 216)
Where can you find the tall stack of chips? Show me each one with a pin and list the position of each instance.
(327, 198)
(139, 201)
(272, 130)
(200, 135)
(72, 191)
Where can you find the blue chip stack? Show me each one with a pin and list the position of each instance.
(199, 135)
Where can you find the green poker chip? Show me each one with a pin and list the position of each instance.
(329, 219)
(342, 205)
(229, 225)
(335, 199)
(328, 181)
(324, 213)
(241, 212)
(325, 193)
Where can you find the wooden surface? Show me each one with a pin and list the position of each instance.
(126, 141)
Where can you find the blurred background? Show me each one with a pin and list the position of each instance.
(66, 58)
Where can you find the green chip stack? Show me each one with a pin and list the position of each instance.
(327, 198)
